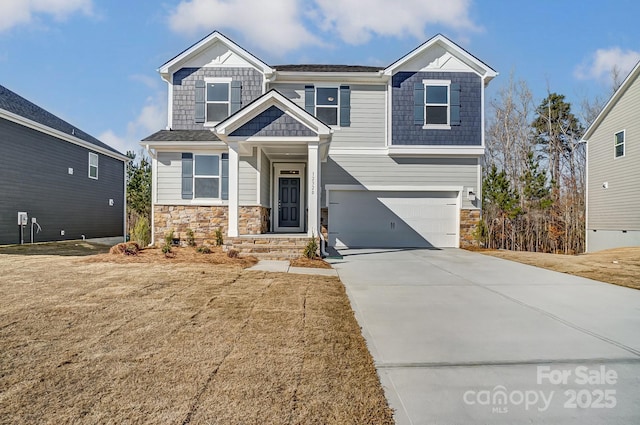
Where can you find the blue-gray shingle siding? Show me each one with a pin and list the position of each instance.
(184, 91)
(34, 178)
(406, 132)
(273, 122)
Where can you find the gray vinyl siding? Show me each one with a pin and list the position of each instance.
(265, 182)
(34, 178)
(367, 127)
(382, 170)
(184, 95)
(615, 208)
(248, 180)
(405, 132)
(169, 177)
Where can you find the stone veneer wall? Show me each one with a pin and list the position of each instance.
(253, 220)
(205, 220)
(469, 220)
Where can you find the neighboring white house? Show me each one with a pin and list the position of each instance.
(368, 156)
(613, 170)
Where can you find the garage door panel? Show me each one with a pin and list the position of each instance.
(393, 219)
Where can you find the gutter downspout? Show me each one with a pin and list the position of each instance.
(153, 155)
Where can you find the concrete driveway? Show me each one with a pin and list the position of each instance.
(463, 338)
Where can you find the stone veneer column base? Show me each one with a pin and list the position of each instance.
(253, 220)
(469, 220)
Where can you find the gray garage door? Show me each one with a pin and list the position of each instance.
(376, 219)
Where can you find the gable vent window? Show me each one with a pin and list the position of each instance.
(93, 166)
(619, 144)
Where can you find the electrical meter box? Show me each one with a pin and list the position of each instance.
(22, 219)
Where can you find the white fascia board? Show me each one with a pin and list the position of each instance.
(442, 150)
(330, 77)
(633, 75)
(10, 116)
(166, 69)
(453, 48)
(393, 188)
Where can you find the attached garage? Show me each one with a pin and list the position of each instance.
(393, 219)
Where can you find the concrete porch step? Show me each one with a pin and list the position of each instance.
(269, 247)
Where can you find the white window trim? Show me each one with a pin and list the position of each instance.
(210, 80)
(446, 126)
(219, 177)
(315, 100)
(616, 144)
(97, 165)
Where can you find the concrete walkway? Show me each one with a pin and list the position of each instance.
(283, 267)
(463, 338)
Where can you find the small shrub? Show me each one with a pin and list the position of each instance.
(191, 240)
(168, 238)
(166, 250)
(233, 253)
(311, 248)
(219, 237)
(204, 249)
(125, 248)
(142, 232)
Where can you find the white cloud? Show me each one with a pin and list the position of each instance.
(18, 12)
(601, 63)
(356, 22)
(274, 25)
(151, 118)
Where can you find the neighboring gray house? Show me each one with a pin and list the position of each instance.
(613, 170)
(71, 183)
(365, 156)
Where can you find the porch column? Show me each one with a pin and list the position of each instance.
(233, 189)
(313, 189)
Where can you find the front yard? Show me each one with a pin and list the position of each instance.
(86, 341)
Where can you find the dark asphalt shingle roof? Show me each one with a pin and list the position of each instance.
(327, 68)
(14, 103)
(182, 136)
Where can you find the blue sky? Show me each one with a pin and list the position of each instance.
(93, 62)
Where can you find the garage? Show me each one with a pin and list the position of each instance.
(392, 219)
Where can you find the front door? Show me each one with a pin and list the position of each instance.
(289, 202)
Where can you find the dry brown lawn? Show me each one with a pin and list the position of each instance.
(88, 341)
(619, 266)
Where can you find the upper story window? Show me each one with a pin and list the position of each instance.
(437, 104)
(205, 176)
(327, 105)
(619, 144)
(217, 101)
(331, 105)
(93, 166)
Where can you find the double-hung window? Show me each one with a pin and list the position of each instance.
(437, 104)
(217, 101)
(327, 105)
(619, 144)
(93, 166)
(205, 176)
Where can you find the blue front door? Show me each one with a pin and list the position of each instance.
(289, 202)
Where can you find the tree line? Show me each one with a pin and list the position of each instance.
(534, 174)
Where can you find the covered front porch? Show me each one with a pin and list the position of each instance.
(284, 147)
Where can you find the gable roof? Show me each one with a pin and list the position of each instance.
(631, 78)
(450, 46)
(203, 45)
(272, 98)
(13, 106)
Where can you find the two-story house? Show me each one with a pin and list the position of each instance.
(361, 156)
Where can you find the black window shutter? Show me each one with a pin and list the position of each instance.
(236, 96)
(224, 193)
(200, 101)
(418, 104)
(187, 176)
(455, 104)
(310, 99)
(345, 106)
